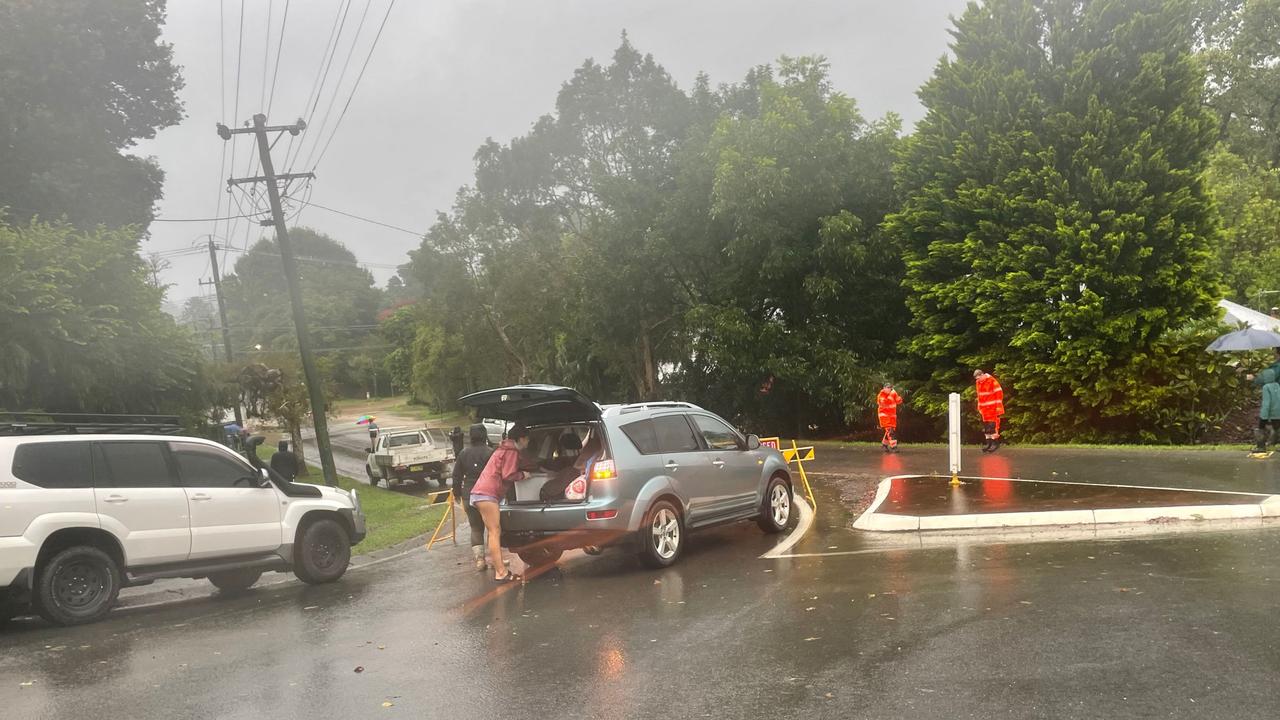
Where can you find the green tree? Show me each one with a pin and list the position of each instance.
(791, 278)
(340, 298)
(1240, 42)
(1055, 225)
(82, 330)
(82, 81)
(1248, 251)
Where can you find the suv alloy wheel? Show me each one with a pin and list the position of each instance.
(661, 535)
(775, 510)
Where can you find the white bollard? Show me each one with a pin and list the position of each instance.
(953, 435)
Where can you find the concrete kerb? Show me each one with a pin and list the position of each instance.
(874, 521)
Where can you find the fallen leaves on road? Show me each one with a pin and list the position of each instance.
(387, 703)
(359, 669)
(811, 639)
(28, 683)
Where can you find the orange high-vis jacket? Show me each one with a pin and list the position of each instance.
(990, 398)
(887, 403)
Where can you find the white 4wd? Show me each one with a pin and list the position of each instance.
(82, 516)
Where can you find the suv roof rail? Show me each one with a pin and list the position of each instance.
(42, 423)
(637, 407)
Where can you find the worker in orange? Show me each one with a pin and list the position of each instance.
(887, 403)
(990, 406)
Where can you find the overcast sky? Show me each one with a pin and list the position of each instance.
(447, 75)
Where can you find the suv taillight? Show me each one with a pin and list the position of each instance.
(577, 489)
(603, 470)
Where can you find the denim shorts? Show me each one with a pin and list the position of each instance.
(483, 498)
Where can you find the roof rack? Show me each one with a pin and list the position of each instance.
(637, 407)
(42, 423)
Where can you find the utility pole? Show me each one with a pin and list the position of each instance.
(269, 177)
(222, 315)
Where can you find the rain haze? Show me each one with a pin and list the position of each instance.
(446, 76)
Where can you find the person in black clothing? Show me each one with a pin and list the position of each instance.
(466, 470)
(284, 462)
(455, 437)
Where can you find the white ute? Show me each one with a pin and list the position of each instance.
(408, 454)
(82, 516)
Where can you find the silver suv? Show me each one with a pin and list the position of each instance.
(656, 471)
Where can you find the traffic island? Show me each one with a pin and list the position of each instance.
(928, 502)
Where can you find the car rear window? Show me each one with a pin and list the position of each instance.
(404, 440)
(641, 434)
(54, 464)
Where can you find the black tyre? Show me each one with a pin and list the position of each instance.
(373, 480)
(323, 552)
(775, 509)
(77, 585)
(661, 535)
(235, 580)
(539, 557)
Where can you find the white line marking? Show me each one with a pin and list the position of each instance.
(802, 526)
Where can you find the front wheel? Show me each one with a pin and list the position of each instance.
(323, 552)
(235, 580)
(78, 585)
(661, 535)
(775, 510)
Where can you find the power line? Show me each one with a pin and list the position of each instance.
(210, 219)
(356, 85)
(414, 233)
(236, 114)
(326, 62)
(320, 261)
(271, 98)
(266, 55)
(222, 102)
(337, 85)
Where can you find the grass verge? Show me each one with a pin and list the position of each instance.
(390, 517)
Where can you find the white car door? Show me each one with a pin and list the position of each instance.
(231, 514)
(139, 501)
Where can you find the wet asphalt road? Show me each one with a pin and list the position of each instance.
(1177, 625)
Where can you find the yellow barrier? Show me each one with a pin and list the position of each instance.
(798, 456)
(448, 516)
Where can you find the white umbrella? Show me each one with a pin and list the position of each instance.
(1247, 339)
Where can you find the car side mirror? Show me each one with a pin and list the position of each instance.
(266, 478)
(753, 442)
(368, 449)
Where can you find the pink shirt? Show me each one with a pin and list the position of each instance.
(501, 472)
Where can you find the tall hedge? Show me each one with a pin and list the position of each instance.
(1055, 226)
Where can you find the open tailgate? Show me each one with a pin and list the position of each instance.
(533, 404)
